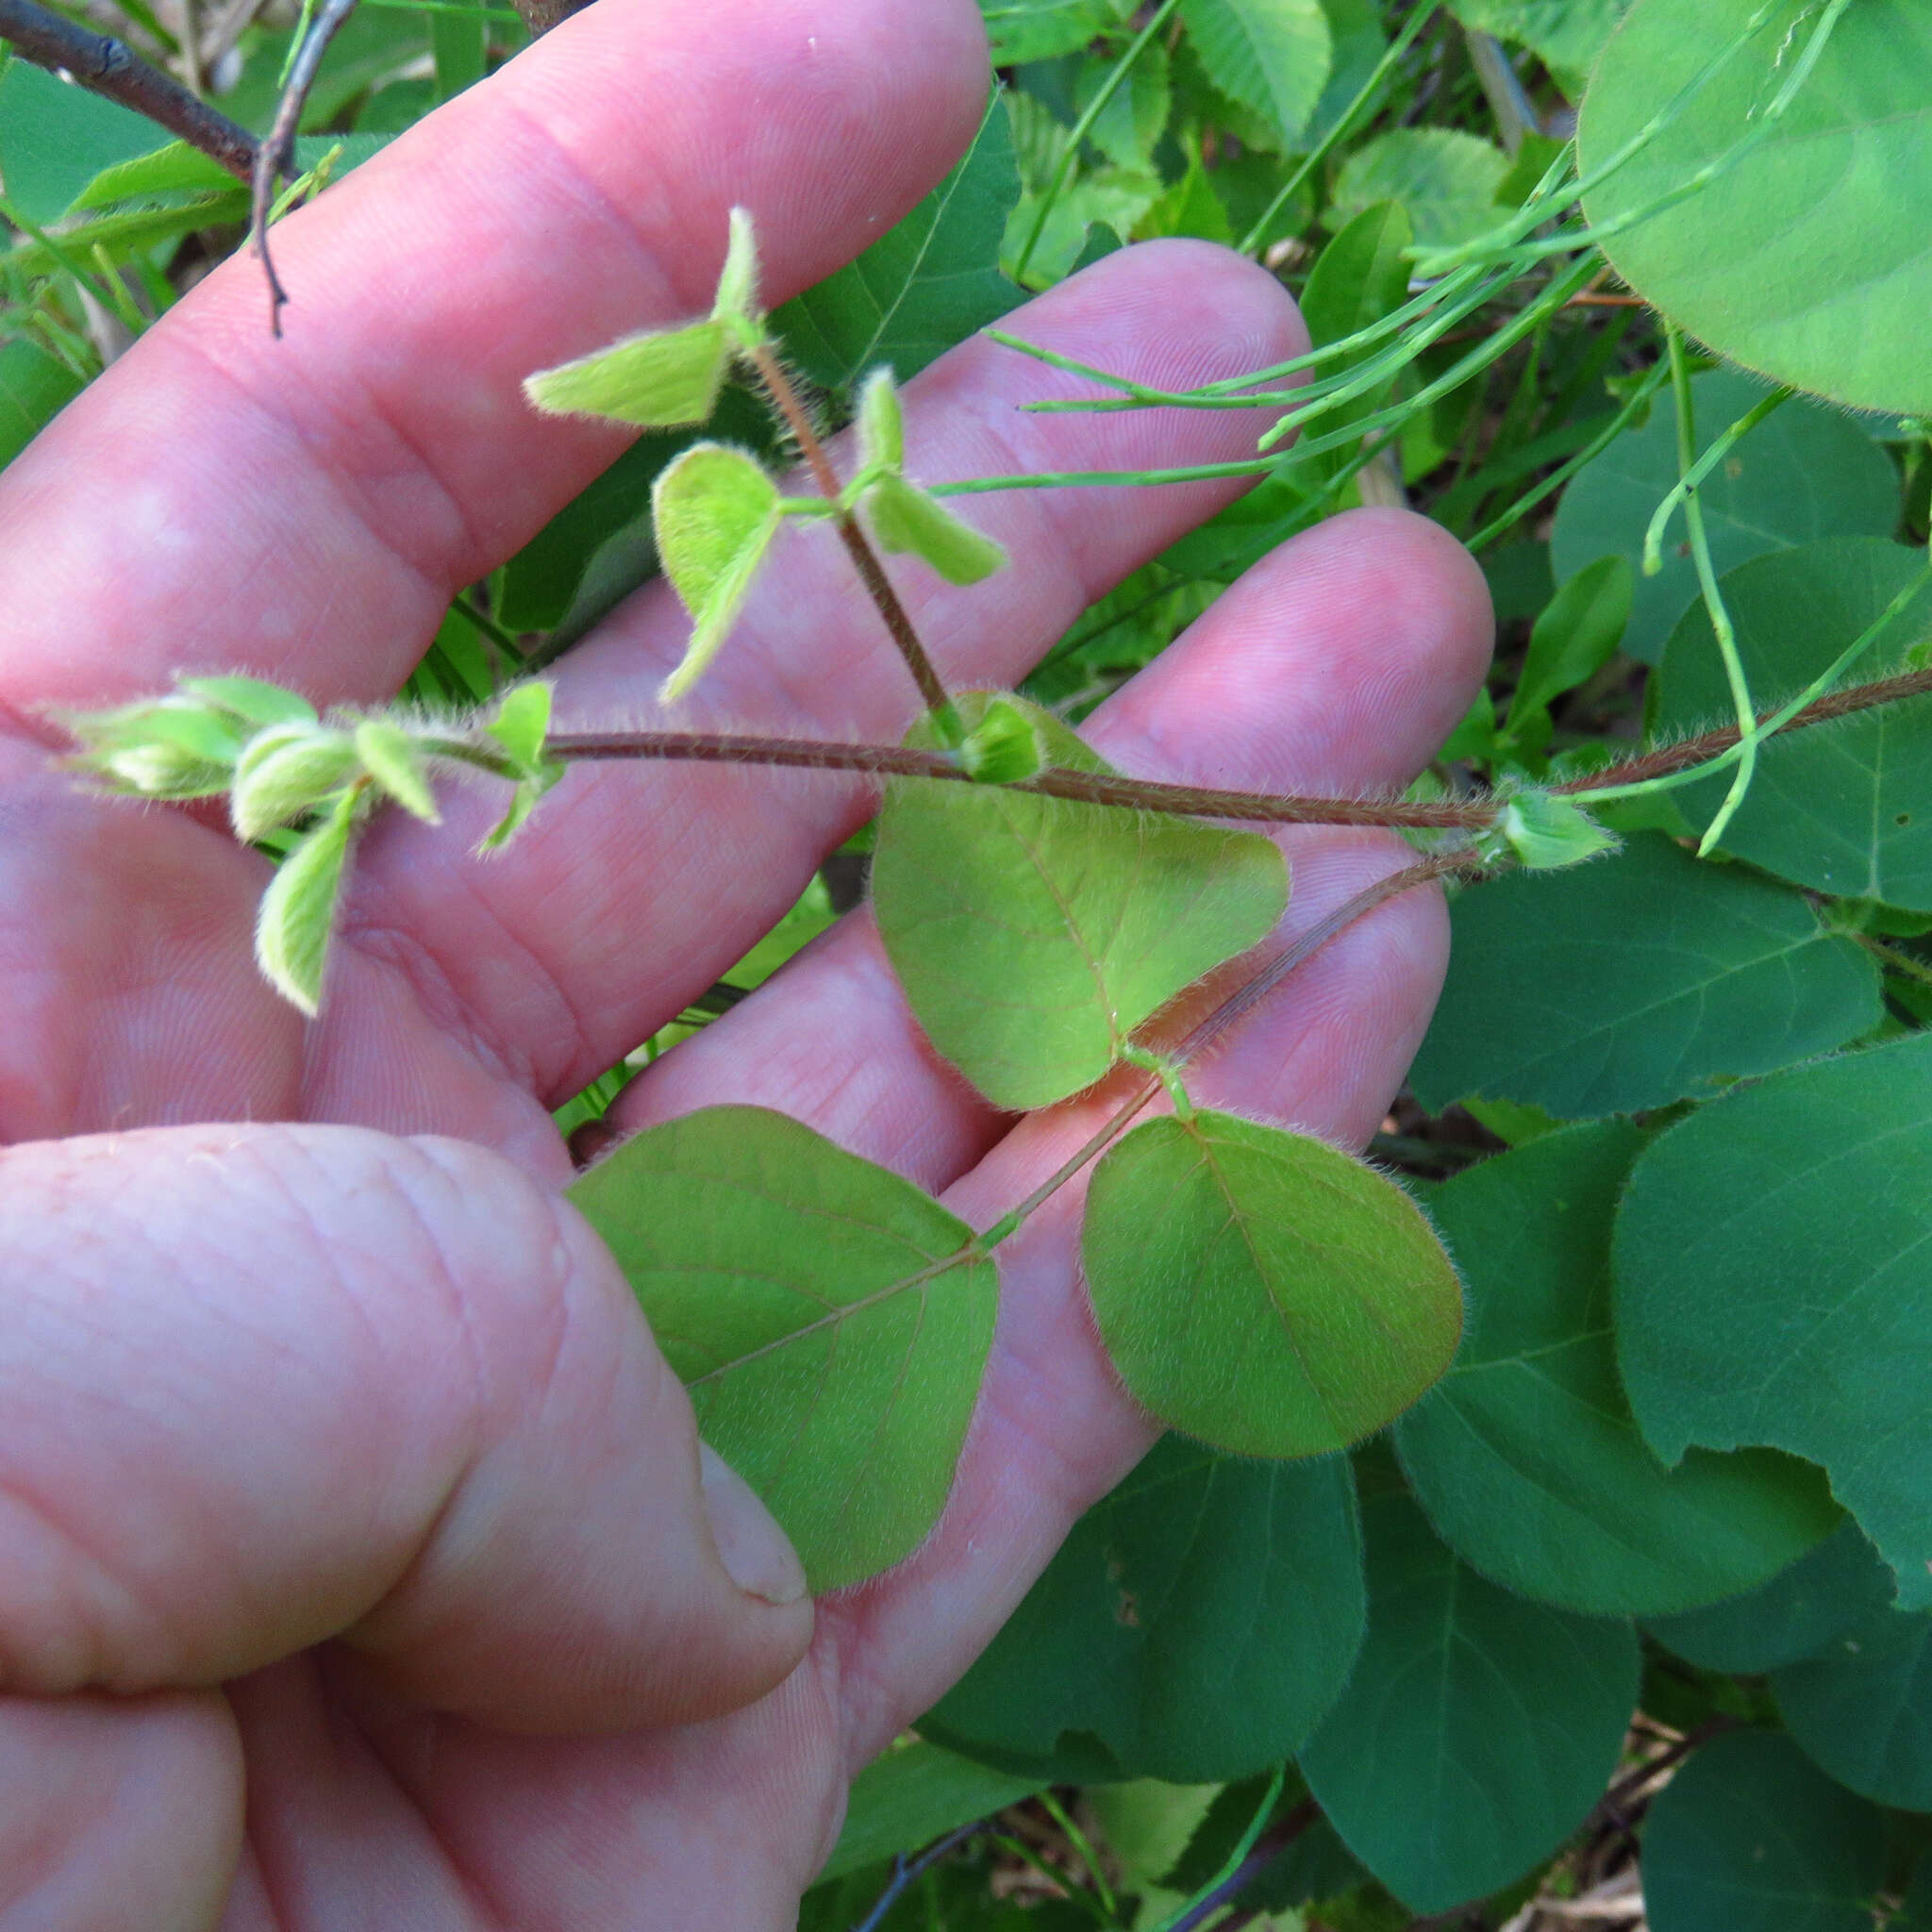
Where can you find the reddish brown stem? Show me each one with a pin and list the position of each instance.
(1085, 788)
(872, 573)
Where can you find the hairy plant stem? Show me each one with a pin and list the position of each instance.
(1082, 788)
(106, 66)
(871, 573)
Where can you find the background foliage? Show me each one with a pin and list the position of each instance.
(1645, 1583)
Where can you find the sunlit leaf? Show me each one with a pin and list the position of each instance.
(1261, 1290)
(716, 512)
(904, 517)
(1032, 935)
(291, 931)
(822, 1313)
(659, 378)
(1272, 56)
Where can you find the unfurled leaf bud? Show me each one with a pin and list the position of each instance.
(286, 773)
(171, 748)
(714, 512)
(1545, 832)
(881, 423)
(736, 303)
(251, 700)
(904, 517)
(392, 758)
(1003, 747)
(291, 932)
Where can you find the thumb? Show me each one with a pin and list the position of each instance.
(266, 1386)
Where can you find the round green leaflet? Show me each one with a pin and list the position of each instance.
(1862, 1707)
(1032, 935)
(1801, 260)
(1261, 1290)
(829, 1319)
(1750, 1837)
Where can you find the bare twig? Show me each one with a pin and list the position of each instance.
(106, 66)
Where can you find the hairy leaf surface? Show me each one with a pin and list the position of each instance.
(1772, 1285)
(1196, 1625)
(820, 1311)
(1445, 181)
(1526, 1456)
(1633, 982)
(1261, 1290)
(1032, 935)
(1862, 1707)
(1478, 1729)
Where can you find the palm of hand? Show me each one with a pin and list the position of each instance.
(341, 1456)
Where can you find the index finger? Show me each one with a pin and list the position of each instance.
(305, 507)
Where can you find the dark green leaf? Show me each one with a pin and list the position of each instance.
(1862, 1707)
(33, 389)
(822, 1313)
(1845, 807)
(1771, 1286)
(913, 1795)
(1032, 935)
(1821, 1597)
(1194, 1627)
(1574, 636)
(1804, 473)
(1566, 35)
(1525, 1456)
(1793, 260)
(1633, 982)
(1478, 1729)
(1261, 1289)
(1749, 1838)
(56, 136)
(925, 285)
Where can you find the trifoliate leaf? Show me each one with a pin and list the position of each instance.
(904, 517)
(660, 379)
(298, 910)
(391, 758)
(715, 513)
(881, 422)
(285, 773)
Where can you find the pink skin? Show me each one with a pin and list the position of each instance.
(338, 1470)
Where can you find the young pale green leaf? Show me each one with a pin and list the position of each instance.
(178, 746)
(1635, 982)
(1772, 1286)
(715, 513)
(523, 722)
(1261, 1290)
(292, 930)
(736, 302)
(1544, 832)
(660, 379)
(1823, 186)
(1826, 1593)
(252, 700)
(1477, 1730)
(1032, 935)
(826, 1316)
(392, 758)
(1272, 56)
(1003, 746)
(881, 422)
(934, 279)
(1862, 1707)
(904, 517)
(1802, 474)
(1196, 1625)
(1749, 1837)
(1574, 636)
(285, 772)
(1525, 1454)
(1845, 808)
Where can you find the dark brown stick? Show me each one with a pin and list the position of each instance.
(106, 66)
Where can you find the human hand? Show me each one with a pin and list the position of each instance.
(353, 1561)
